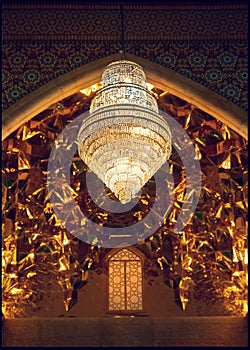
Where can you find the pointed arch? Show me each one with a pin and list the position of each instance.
(89, 74)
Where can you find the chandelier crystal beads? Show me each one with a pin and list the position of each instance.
(124, 141)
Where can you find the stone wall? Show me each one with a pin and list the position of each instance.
(92, 302)
(126, 331)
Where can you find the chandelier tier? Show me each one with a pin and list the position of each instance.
(124, 141)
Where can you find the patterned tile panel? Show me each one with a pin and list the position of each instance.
(221, 66)
(142, 22)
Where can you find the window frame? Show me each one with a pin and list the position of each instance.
(142, 260)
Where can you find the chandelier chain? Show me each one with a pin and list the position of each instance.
(122, 31)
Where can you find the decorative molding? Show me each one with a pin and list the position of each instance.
(128, 5)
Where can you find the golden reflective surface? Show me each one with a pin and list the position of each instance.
(207, 260)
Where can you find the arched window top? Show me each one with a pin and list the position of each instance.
(125, 254)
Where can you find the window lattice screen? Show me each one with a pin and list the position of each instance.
(125, 281)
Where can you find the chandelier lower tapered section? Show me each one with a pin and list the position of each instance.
(124, 141)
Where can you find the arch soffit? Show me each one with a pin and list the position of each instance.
(89, 74)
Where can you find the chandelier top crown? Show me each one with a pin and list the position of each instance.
(123, 71)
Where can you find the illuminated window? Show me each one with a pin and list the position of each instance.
(125, 281)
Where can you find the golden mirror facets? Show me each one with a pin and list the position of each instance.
(205, 262)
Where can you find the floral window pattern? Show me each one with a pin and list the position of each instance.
(125, 282)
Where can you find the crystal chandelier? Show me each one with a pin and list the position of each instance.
(124, 141)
